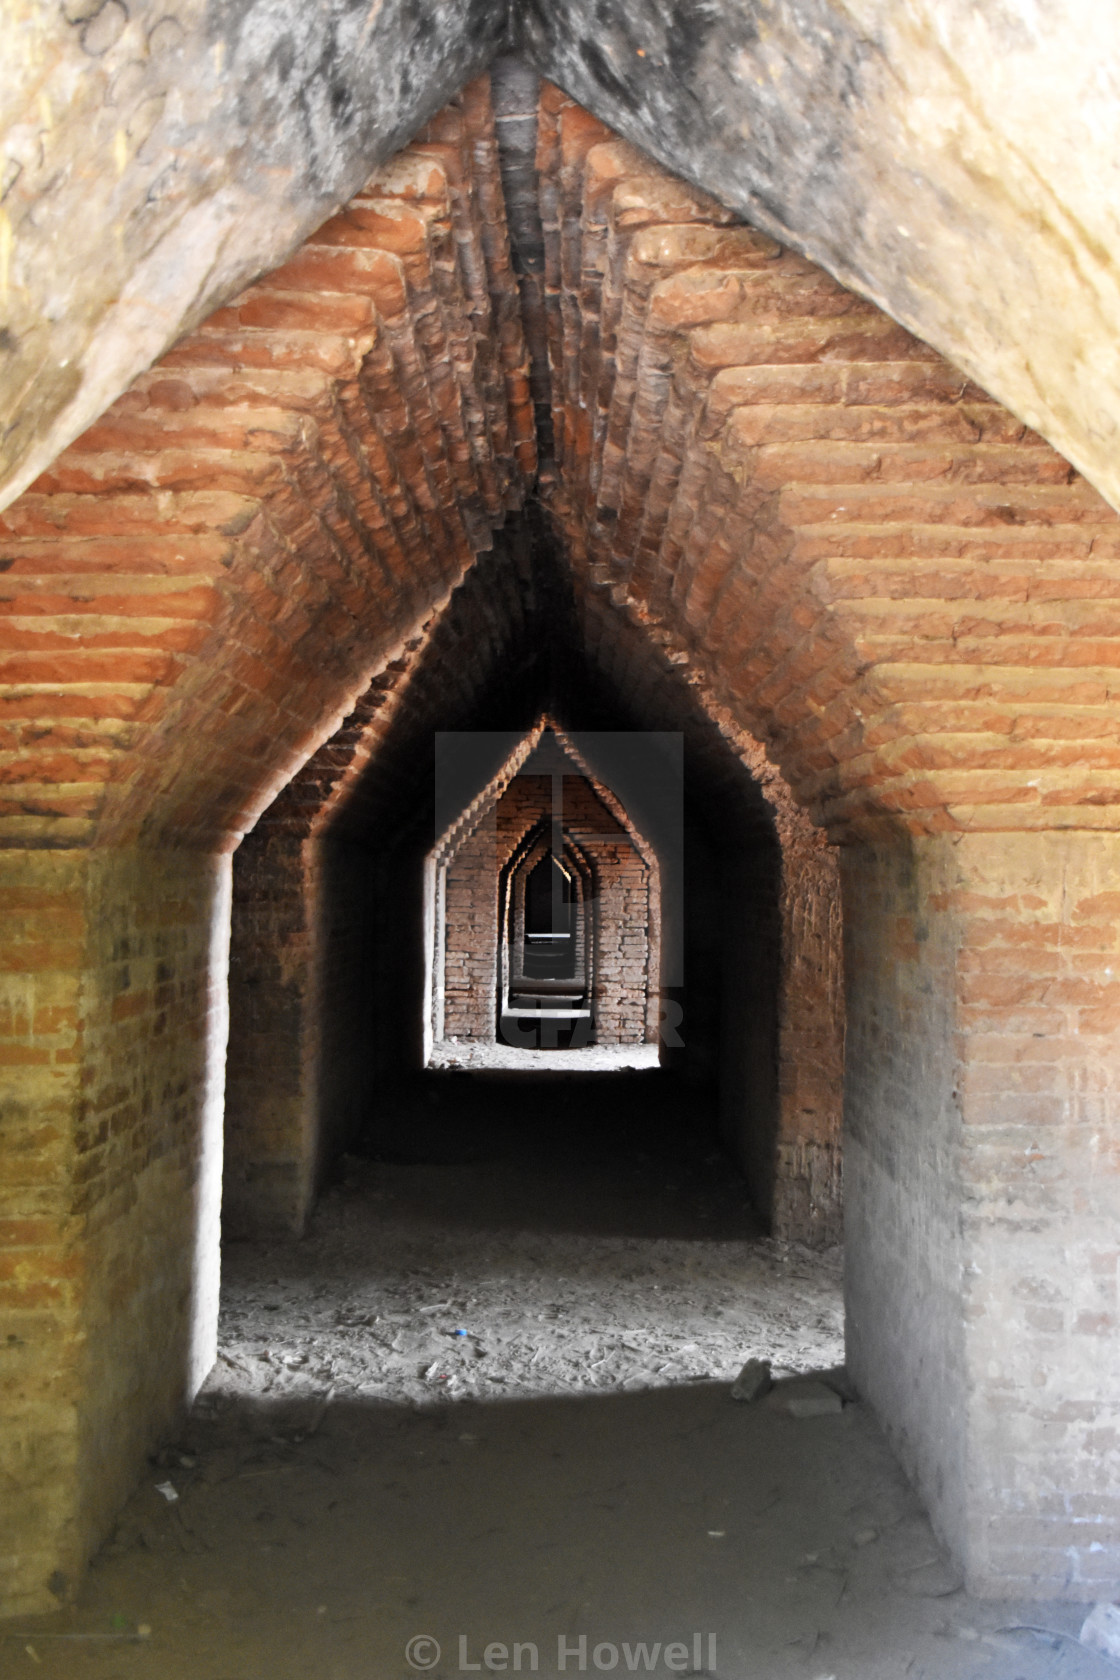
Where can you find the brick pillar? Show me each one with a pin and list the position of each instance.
(272, 1077)
(981, 1179)
(807, 1168)
(112, 1027)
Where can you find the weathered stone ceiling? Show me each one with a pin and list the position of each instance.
(154, 159)
(197, 588)
(955, 161)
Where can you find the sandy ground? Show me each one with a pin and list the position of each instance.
(486, 1403)
(601, 1058)
(420, 1284)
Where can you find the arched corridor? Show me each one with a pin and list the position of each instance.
(539, 514)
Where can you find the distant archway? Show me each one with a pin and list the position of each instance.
(590, 973)
(548, 934)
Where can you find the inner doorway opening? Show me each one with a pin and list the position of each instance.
(544, 904)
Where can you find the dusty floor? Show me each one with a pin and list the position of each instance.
(600, 1058)
(569, 1476)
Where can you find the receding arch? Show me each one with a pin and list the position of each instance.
(476, 882)
(789, 527)
(548, 903)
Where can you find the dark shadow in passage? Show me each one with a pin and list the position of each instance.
(630, 1154)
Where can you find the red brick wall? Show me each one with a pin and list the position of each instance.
(273, 1061)
(42, 914)
(312, 1011)
(759, 878)
(466, 935)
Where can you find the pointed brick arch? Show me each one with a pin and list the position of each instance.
(764, 491)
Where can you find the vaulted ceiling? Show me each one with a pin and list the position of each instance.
(215, 567)
(956, 162)
(772, 507)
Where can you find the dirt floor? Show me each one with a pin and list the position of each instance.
(599, 1058)
(485, 1407)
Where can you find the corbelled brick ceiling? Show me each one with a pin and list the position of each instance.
(873, 565)
(239, 543)
(853, 554)
(956, 161)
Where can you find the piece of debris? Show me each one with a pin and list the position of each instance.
(807, 1399)
(1100, 1631)
(168, 1492)
(320, 1411)
(753, 1381)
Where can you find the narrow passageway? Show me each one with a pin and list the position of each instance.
(551, 616)
(485, 1405)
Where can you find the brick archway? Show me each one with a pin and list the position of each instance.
(769, 498)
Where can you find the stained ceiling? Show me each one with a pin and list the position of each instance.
(955, 162)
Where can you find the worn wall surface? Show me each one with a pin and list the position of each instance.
(808, 1165)
(274, 1057)
(905, 1255)
(982, 1191)
(1037, 1023)
(42, 1264)
(115, 1033)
